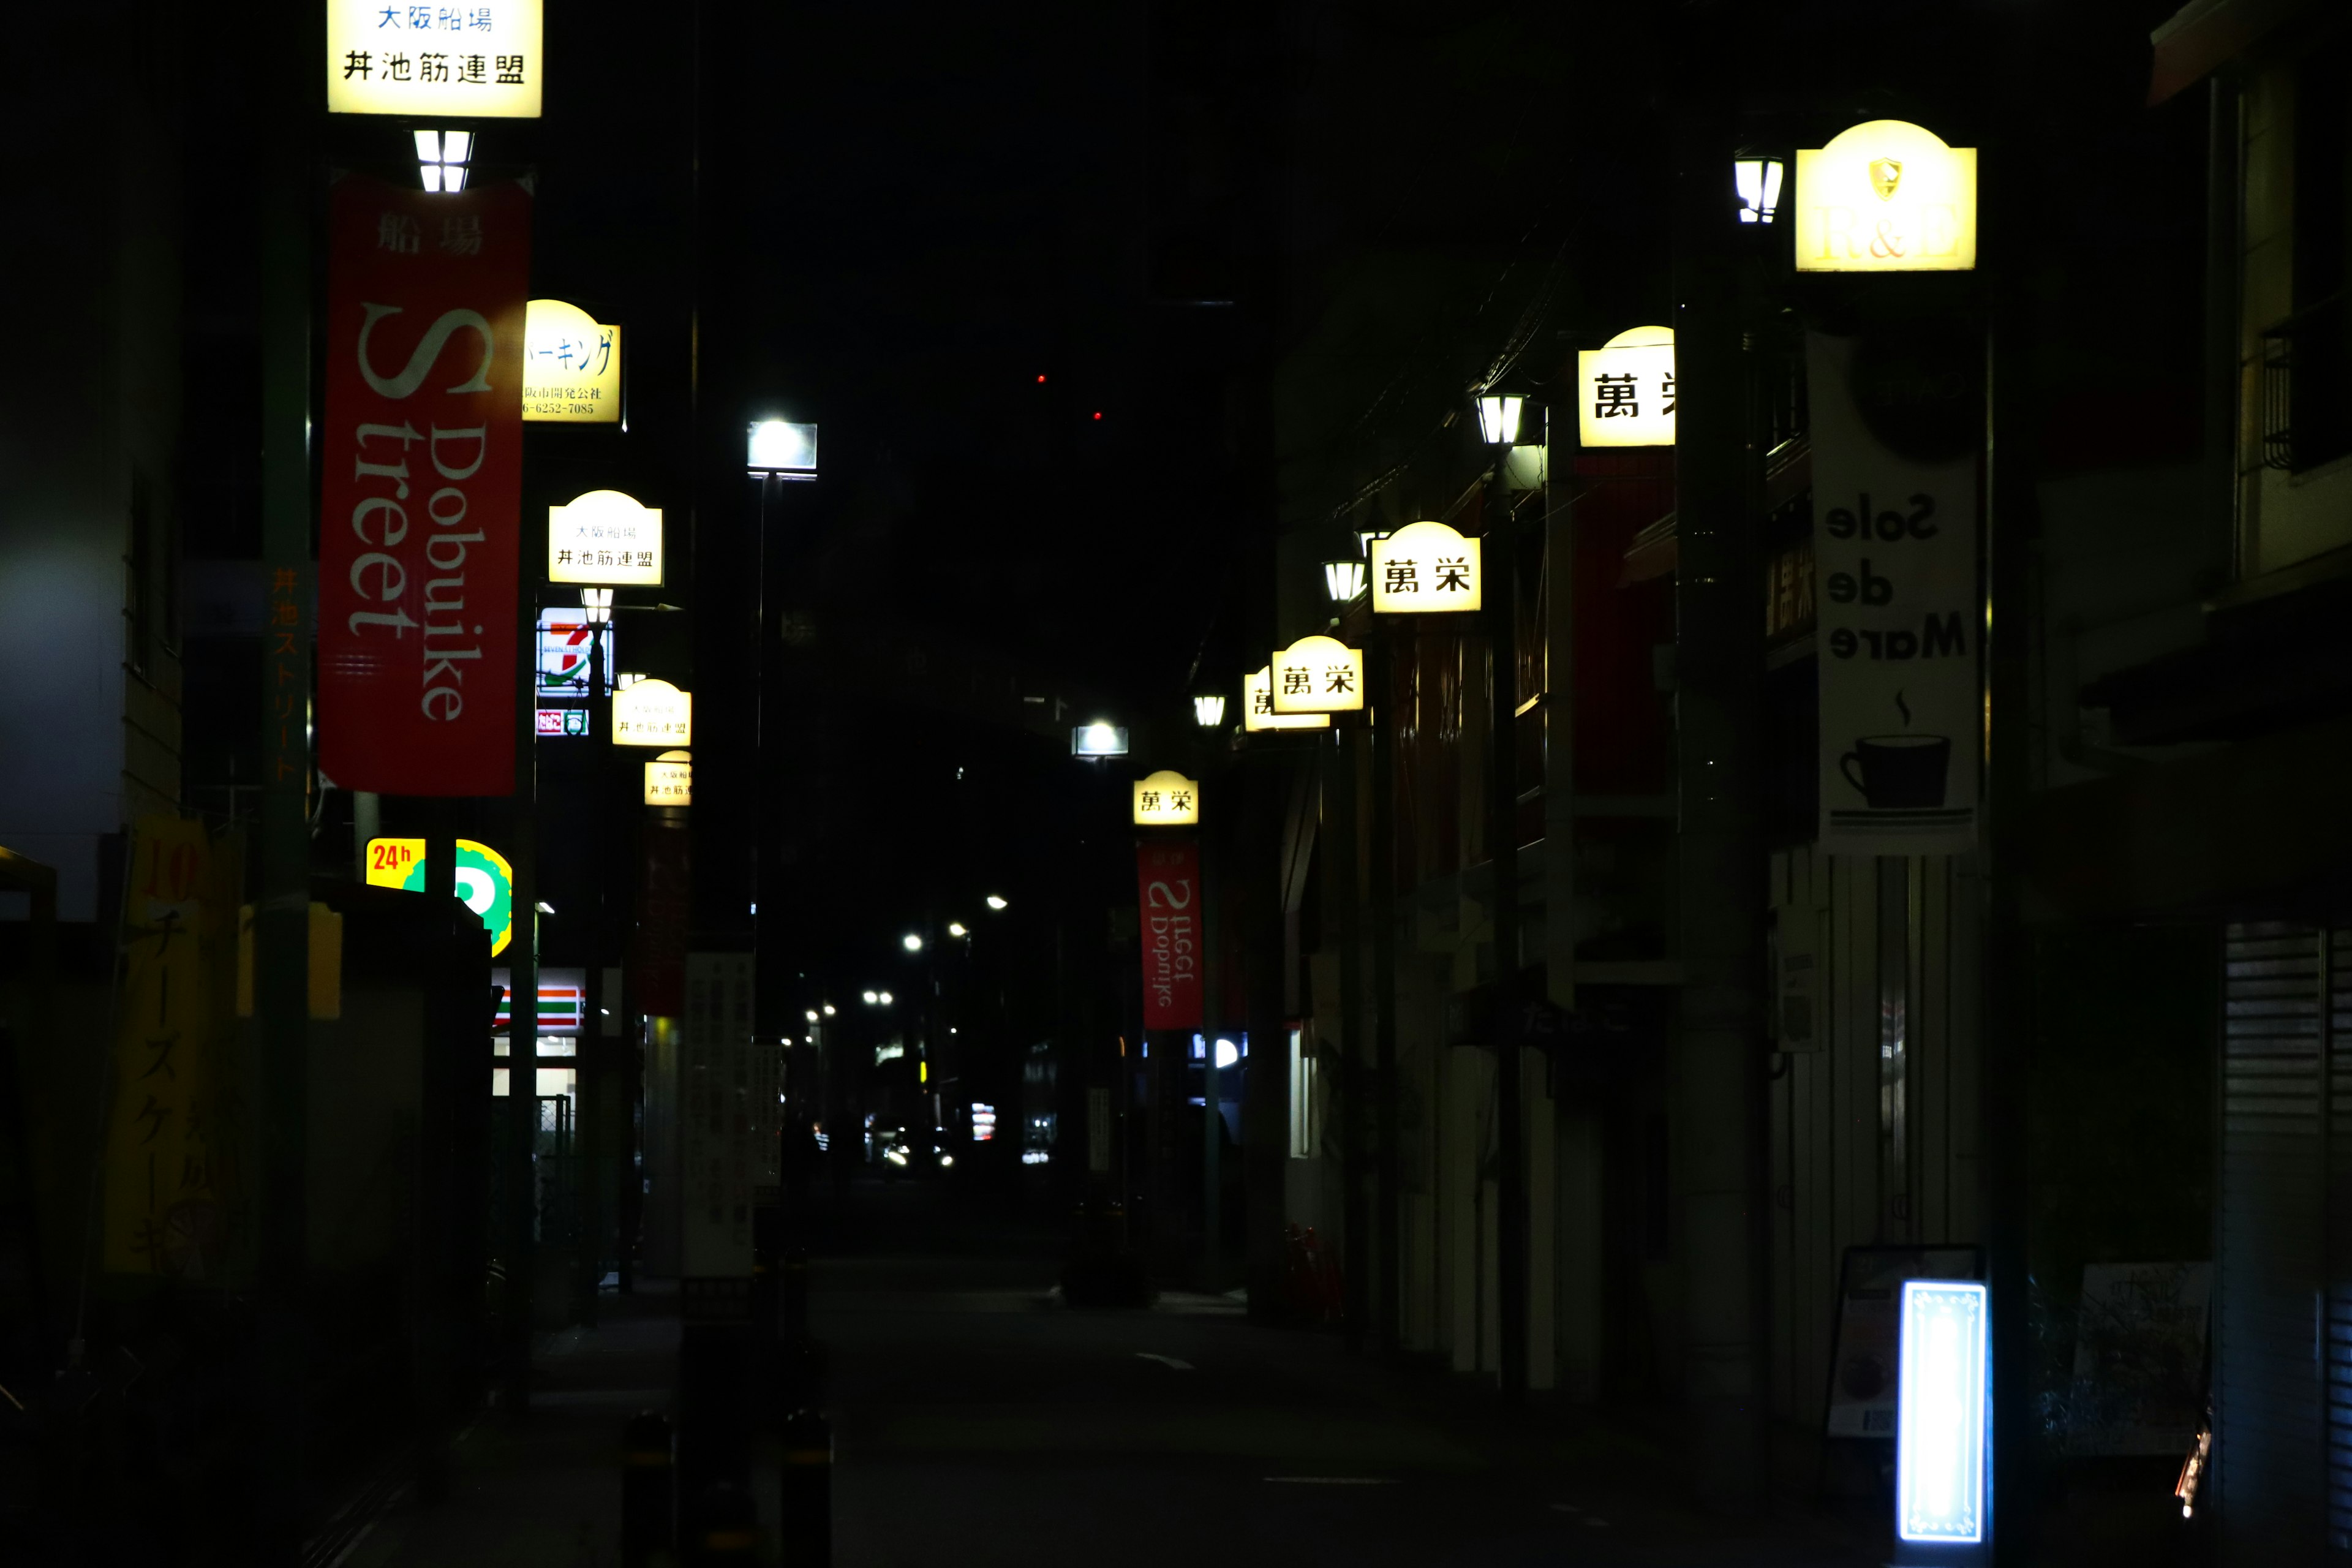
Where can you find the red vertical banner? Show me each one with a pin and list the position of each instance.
(421, 488)
(1168, 886)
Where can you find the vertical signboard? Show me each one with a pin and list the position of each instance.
(1168, 882)
(717, 1161)
(1898, 614)
(1941, 1441)
(420, 489)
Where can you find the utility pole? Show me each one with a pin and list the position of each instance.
(1341, 837)
(1380, 675)
(1718, 1068)
(1501, 592)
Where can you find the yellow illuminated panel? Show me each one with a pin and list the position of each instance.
(1318, 675)
(670, 780)
(570, 366)
(1887, 196)
(1257, 707)
(653, 713)
(1426, 568)
(1625, 390)
(481, 59)
(1167, 799)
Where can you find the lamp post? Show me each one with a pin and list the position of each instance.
(776, 452)
(1498, 424)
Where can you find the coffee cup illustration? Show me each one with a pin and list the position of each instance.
(1899, 772)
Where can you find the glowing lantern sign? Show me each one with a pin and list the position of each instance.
(1167, 799)
(1257, 707)
(1887, 196)
(1426, 568)
(1318, 675)
(605, 537)
(1627, 388)
(670, 780)
(653, 713)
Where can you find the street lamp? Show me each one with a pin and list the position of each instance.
(994, 902)
(911, 943)
(597, 603)
(1498, 418)
(1344, 579)
(957, 928)
(1756, 177)
(782, 449)
(1209, 709)
(828, 1009)
(869, 998)
(884, 997)
(812, 1015)
(442, 157)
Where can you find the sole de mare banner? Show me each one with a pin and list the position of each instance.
(1168, 888)
(1895, 428)
(420, 498)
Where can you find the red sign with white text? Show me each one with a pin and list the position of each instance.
(421, 493)
(1168, 886)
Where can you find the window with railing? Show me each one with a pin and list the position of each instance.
(2307, 386)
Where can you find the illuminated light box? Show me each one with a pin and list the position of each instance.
(472, 61)
(605, 538)
(653, 713)
(1317, 674)
(570, 366)
(1941, 1423)
(1887, 196)
(485, 880)
(1098, 740)
(1167, 799)
(1625, 390)
(1426, 568)
(670, 780)
(1257, 707)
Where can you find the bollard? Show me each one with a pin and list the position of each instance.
(646, 1541)
(724, 1528)
(806, 1491)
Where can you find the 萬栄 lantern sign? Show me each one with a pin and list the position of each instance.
(1167, 799)
(653, 713)
(1887, 196)
(1318, 675)
(1626, 390)
(481, 60)
(1257, 707)
(1425, 567)
(605, 537)
(570, 366)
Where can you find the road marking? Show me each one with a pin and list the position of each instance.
(1166, 1361)
(1336, 1481)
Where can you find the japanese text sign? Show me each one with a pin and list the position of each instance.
(653, 713)
(1318, 675)
(420, 494)
(1887, 196)
(670, 780)
(1167, 799)
(1257, 707)
(1168, 886)
(605, 537)
(1425, 567)
(570, 366)
(477, 60)
(1625, 390)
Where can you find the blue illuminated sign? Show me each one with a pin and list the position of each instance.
(1941, 1429)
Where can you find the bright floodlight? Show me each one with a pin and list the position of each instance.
(885, 997)
(1209, 709)
(812, 1015)
(828, 1009)
(779, 446)
(994, 902)
(1498, 418)
(911, 943)
(870, 998)
(956, 928)
(1099, 739)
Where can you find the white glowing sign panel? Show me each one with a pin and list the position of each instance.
(605, 537)
(1887, 196)
(482, 60)
(1317, 674)
(653, 713)
(670, 780)
(1257, 707)
(1940, 1425)
(1625, 390)
(1167, 799)
(1426, 568)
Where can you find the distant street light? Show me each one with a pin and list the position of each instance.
(812, 1015)
(886, 998)
(911, 943)
(957, 928)
(994, 902)
(1209, 709)
(828, 1009)
(870, 998)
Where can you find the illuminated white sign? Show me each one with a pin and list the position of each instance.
(1425, 567)
(477, 60)
(983, 1123)
(1626, 390)
(1167, 799)
(1318, 675)
(1257, 707)
(570, 366)
(670, 780)
(1098, 740)
(605, 537)
(1887, 196)
(1940, 1427)
(653, 713)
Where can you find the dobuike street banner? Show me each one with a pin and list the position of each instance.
(420, 498)
(1168, 886)
(1895, 436)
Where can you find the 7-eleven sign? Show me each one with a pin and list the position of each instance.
(566, 644)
